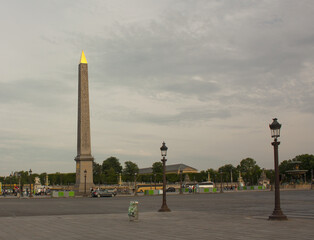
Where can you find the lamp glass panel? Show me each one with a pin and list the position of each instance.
(163, 153)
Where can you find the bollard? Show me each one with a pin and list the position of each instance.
(133, 211)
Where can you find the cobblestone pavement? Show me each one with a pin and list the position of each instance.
(238, 215)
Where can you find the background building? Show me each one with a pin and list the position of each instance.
(174, 168)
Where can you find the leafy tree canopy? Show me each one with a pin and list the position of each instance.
(111, 162)
(96, 168)
(307, 161)
(130, 168)
(157, 167)
(247, 165)
(227, 168)
(251, 171)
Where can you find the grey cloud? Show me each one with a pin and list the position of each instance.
(183, 116)
(201, 89)
(42, 93)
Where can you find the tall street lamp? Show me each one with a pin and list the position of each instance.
(11, 182)
(85, 172)
(221, 191)
(135, 190)
(155, 180)
(181, 192)
(275, 133)
(164, 207)
(4, 188)
(30, 182)
(20, 192)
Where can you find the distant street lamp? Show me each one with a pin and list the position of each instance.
(164, 207)
(85, 172)
(275, 133)
(4, 188)
(181, 192)
(155, 180)
(99, 176)
(30, 183)
(221, 191)
(11, 182)
(20, 192)
(135, 190)
(312, 177)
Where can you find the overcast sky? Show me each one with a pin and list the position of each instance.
(206, 77)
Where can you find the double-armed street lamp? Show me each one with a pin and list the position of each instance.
(164, 207)
(30, 182)
(275, 133)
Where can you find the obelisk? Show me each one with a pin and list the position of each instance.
(84, 159)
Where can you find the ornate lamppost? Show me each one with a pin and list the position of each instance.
(164, 207)
(275, 133)
(30, 182)
(85, 172)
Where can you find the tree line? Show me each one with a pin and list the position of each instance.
(109, 171)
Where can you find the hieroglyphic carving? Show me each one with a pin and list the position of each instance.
(84, 159)
(84, 146)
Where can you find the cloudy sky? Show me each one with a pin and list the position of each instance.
(206, 77)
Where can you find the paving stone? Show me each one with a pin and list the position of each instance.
(239, 215)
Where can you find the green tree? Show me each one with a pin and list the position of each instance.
(251, 171)
(111, 176)
(213, 175)
(157, 167)
(97, 173)
(226, 172)
(172, 177)
(130, 168)
(111, 162)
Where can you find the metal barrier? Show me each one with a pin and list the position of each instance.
(57, 194)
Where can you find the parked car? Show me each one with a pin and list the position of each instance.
(102, 193)
(171, 189)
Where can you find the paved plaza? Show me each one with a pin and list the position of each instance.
(233, 215)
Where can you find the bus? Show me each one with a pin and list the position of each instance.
(142, 187)
(206, 185)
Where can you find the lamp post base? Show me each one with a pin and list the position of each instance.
(278, 215)
(164, 208)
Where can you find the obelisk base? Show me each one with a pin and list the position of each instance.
(84, 174)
